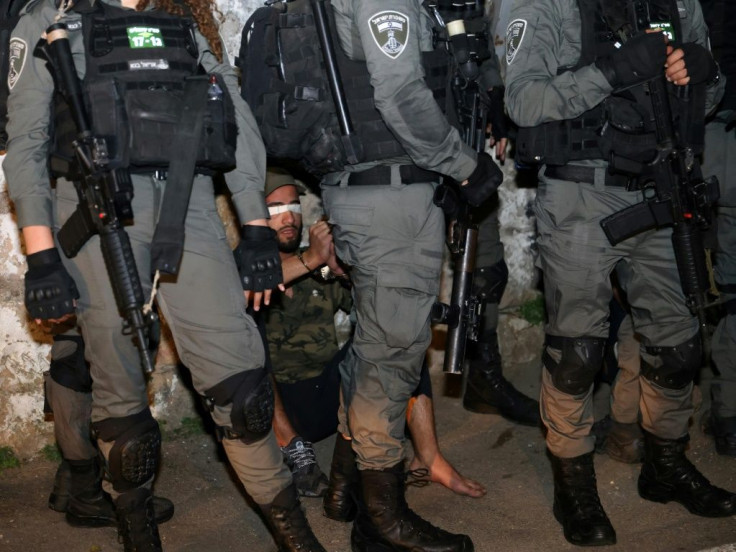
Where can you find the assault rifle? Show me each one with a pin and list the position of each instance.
(104, 197)
(675, 194)
(462, 315)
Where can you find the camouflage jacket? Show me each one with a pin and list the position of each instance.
(301, 329)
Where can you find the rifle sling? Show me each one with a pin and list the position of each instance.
(168, 239)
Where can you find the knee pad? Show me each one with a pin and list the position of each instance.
(134, 456)
(68, 367)
(251, 396)
(581, 359)
(678, 365)
(489, 282)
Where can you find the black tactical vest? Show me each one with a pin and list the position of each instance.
(286, 86)
(137, 64)
(621, 128)
(720, 15)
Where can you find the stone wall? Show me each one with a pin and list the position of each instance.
(24, 348)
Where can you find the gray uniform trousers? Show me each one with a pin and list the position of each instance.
(392, 237)
(204, 306)
(577, 260)
(720, 159)
(489, 253)
(72, 409)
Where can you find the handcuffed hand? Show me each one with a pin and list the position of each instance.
(50, 292)
(483, 182)
(259, 264)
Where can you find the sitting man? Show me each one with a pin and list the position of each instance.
(305, 355)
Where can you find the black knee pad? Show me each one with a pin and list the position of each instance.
(679, 366)
(134, 457)
(489, 282)
(71, 371)
(251, 396)
(581, 359)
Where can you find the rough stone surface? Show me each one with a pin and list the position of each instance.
(24, 348)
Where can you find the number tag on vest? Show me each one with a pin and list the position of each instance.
(145, 37)
(665, 27)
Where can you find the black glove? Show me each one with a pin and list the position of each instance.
(497, 114)
(50, 290)
(700, 65)
(483, 182)
(258, 260)
(639, 59)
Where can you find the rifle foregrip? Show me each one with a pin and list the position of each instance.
(690, 256)
(126, 286)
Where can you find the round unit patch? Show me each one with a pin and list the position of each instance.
(390, 31)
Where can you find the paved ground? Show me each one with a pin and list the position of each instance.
(213, 514)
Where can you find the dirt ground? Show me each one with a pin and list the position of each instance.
(213, 514)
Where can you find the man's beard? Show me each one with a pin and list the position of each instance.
(291, 245)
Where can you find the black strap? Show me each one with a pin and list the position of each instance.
(168, 239)
(381, 176)
(586, 175)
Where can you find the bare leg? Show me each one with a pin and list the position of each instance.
(282, 427)
(420, 417)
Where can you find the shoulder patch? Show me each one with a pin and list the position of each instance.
(514, 36)
(17, 53)
(390, 31)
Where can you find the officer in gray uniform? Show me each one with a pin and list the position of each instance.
(577, 94)
(487, 391)
(387, 229)
(719, 158)
(150, 53)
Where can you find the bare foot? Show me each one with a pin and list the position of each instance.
(443, 473)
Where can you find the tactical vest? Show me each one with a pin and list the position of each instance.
(286, 86)
(137, 64)
(621, 129)
(720, 16)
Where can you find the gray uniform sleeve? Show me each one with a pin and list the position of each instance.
(547, 37)
(29, 111)
(246, 182)
(698, 32)
(490, 72)
(401, 95)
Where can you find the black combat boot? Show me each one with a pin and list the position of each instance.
(59, 497)
(385, 522)
(488, 392)
(577, 506)
(340, 501)
(288, 524)
(86, 504)
(137, 528)
(667, 475)
(723, 431)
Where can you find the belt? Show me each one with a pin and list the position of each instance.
(586, 175)
(380, 175)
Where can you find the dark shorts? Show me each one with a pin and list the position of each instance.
(311, 404)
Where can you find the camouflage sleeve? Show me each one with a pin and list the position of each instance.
(542, 36)
(389, 33)
(29, 114)
(246, 182)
